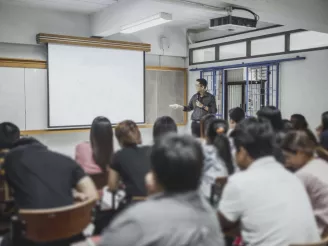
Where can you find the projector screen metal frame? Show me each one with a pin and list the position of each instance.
(89, 125)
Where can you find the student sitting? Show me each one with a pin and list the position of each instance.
(131, 163)
(299, 122)
(218, 159)
(236, 115)
(176, 214)
(94, 157)
(273, 115)
(204, 122)
(164, 125)
(9, 134)
(299, 149)
(42, 178)
(270, 203)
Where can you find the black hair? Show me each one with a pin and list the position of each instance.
(273, 115)
(164, 125)
(177, 162)
(9, 134)
(101, 139)
(256, 136)
(324, 121)
(237, 114)
(299, 122)
(202, 82)
(287, 125)
(216, 135)
(295, 141)
(204, 122)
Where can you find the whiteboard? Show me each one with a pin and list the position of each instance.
(12, 96)
(86, 82)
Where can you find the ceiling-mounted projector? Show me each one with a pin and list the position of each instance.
(234, 23)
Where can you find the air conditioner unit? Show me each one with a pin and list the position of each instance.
(233, 24)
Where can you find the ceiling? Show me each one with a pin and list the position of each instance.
(80, 6)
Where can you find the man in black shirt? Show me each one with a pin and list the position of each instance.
(202, 103)
(42, 178)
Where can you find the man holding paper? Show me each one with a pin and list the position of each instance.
(202, 103)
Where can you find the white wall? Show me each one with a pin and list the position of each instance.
(22, 24)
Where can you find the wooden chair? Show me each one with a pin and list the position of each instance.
(323, 242)
(49, 225)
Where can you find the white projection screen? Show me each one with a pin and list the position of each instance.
(86, 82)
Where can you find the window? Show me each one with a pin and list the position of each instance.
(231, 51)
(268, 45)
(203, 55)
(308, 40)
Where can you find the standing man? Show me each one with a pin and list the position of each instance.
(202, 103)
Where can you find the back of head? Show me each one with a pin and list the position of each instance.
(177, 163)
(256, 136)
(287, 125)
(273, 115)
(164, 125)
(127, 133)
(9, 134)
(204, 122)
(236, 114)
(299, 122)
(303, 141)
(324, 121)
(216, 135)
(101, 138)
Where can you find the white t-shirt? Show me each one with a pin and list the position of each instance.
(271, 204)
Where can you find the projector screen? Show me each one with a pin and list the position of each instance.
(86, 82)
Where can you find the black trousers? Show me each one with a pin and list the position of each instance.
(195, 128)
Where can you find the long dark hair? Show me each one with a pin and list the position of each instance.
(101, 139)
(324, 121)
(273, 115)
(204, 122)
(216, 136)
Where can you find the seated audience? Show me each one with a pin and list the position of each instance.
(176, 214)
(163, 125)
(9, 134)
(131, 163)
(236, 115)
(267, 201)
(324, 130)
(299, 148)
(299, 122)
(217, 155)
(204, 121)
(95, 156)
(42, 178)
(273, 115)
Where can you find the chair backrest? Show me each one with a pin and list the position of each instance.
(323, 242)
(100, 180)
(47, 225)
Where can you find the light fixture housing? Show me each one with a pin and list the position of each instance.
(154, 20)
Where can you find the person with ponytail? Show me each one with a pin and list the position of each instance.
(217, 153)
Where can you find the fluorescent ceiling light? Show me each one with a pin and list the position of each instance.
(155, 20)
